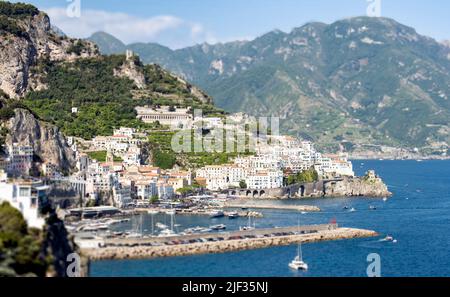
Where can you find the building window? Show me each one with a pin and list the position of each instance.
(24, 192)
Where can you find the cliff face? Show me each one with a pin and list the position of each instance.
(26, 40)
(130, 69)
(368, 186)
(47, 141)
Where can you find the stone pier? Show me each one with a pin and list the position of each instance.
(137, 251)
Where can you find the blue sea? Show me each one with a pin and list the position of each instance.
(418, 216)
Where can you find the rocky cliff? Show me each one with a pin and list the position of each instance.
(369, 185)
(26, 37)
(47, 141)
(131, 69)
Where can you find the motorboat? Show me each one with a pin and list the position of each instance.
(171, 211)
(218, 227)
(389, 238)
(167, 233)
(134, 235)
(161, 226)
(233, 215)
(216, 214)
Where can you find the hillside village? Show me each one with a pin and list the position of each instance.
(94, 130)
(111, 170)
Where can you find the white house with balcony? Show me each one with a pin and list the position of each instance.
(25, 195)
(265, 180)
(146, 189)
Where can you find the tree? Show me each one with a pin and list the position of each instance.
(12, 224)
(185, 190)
(243, 184)
(154, 199)
(306, 176)
(164, 160)
(20, 247)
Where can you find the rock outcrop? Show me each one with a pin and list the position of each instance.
(369, 185)
(28, 39)
(48, 142)
(130, 69)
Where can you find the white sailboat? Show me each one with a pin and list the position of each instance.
(137, 228)
(298, 263)
(169, 232)
(249, 225)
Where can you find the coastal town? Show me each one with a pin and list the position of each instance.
(122, 179)
(113, 183)
(196, 144)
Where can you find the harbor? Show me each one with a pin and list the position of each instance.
(194, 244)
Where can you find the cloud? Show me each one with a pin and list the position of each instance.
(165, 29)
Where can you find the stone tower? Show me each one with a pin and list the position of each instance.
(129, 54)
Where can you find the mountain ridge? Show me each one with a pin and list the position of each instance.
(53, 86)
(356, 81)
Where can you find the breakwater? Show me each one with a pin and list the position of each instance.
(245, 203)
(141, 250)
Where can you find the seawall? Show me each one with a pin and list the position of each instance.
(248, 204)
(144, 252)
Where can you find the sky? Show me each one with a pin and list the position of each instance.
(182, 23)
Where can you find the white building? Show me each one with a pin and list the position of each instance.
(176, 118)
(265, 180)
(165, 191)
(132, 156)
(96, 183)
(146, 189)
(216, 176)
(122, 195)
(25, 195)
(83, 162)
(336, 165)
(129, 132)
(20, 159)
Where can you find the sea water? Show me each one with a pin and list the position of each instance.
(417, 216)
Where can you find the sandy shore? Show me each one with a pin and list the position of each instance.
(144, 252)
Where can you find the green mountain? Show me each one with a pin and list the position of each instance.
(108, 43)
(357, 81)
(105, 90)
(49, 73)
